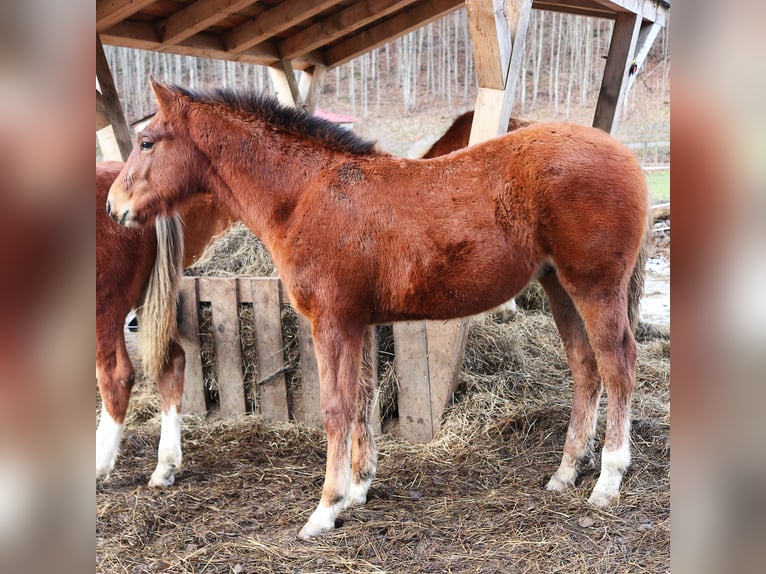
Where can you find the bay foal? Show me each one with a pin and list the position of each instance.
(363, 238)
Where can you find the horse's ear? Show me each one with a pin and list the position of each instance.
(165, 96)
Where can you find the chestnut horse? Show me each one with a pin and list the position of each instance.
(457, 135)
(362, 238)
(141, 269)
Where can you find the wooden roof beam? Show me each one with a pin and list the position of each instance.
(110, 12)
(278, 19)
(386, 31)
(338, 25)
(592, 11)
(651, 10)
(144, 36)
(196, 17)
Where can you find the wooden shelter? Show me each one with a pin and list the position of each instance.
(315, 35)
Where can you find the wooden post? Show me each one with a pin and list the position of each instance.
(111, 103)
(493, 101)
(646, 37)
(285, 85)
(310, 86)
(615, 81)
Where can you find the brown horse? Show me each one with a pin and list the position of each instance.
(141, 269)
(363, 238)
(457, 135)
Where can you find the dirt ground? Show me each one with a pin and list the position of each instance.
(471, 500)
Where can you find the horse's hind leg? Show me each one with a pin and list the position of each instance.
(606, 321)
(339, 354)
(115, 376)
(578, 447)
(364, 454)
(171, 385)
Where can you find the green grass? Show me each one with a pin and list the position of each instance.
(659, 185)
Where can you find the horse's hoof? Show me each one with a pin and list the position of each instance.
(311, 530)
(161, 480)
(557, 484)
(601, 499)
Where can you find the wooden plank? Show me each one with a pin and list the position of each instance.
(310, 86)
(270, 23)
(491, 41)
(109, 12)
(285, 84)
(378, 34)
(222, 294)
(111, 102)
(269, 349)
(338, 25)
(446, 349)
(196, 17)
(308, 409)
(615, 80)
(193, 401)
(411, 367)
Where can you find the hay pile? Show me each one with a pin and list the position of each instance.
(471, 500)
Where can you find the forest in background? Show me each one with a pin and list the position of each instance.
(432, 69)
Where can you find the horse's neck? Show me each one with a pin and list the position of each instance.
(258, 176)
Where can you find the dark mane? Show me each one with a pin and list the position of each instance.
(293, 120)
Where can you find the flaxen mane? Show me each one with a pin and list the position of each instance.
(293, 120)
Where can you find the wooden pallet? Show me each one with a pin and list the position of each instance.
(426, 380)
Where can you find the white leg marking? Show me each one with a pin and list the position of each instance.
(321, 520)
(565, 476)
(169, 453)
(108, 437)
(357, 494)
(614, 463)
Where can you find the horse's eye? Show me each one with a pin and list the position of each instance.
(146, 144)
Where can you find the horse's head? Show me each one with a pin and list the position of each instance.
(164, 168)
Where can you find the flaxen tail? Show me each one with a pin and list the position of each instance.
(636, 286)
(157, 314)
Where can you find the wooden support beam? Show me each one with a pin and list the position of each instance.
(615, 80)
(379, 34)
(109, 12)
(111, 102)
(102, 116)
(285, 84)
(646, 37)
(491, 41)
(310, 86)
(338, 25)
(493, 106)
(281, 17)
(196, 17)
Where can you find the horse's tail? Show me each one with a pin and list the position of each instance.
(157, 313)
(636, 285)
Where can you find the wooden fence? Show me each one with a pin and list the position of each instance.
(425, 381)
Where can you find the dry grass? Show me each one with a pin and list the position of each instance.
(469, 501)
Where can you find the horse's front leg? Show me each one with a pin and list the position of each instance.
(338, 352)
